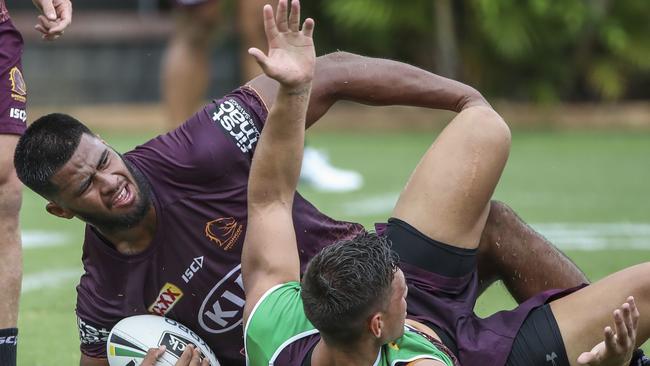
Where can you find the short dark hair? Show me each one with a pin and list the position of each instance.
(44, 148)
(345, 283)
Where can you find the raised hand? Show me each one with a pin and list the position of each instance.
(291, 55)
(57, 15)
(617, 348)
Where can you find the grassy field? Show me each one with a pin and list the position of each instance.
(588, 191)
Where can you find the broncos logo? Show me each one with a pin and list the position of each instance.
(224, 232)
(18, 87)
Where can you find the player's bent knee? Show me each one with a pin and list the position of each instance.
(499, 213)
(492, 131)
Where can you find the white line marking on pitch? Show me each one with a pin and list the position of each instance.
(574, 236)
(49, 279)
(373, 205)
(42, 239)
(597, 236)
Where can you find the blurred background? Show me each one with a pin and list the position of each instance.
(530, 51)
(572, 78)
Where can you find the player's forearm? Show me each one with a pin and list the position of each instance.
(269, 255)
(346, 76)
(278, 156)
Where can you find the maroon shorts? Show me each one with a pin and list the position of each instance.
(13, 92)
(443, 288)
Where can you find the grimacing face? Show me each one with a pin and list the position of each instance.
(101, 188)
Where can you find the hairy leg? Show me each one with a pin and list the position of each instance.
(527, 263)
(583, 315)
(10, 247)
(186, 64)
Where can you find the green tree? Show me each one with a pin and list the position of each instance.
(533, 49)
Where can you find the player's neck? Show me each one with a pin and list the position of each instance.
(364, 353)
(136, 239)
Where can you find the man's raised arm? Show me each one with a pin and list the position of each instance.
(375, 81)
(270, 254)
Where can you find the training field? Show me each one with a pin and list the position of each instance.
(588, 191)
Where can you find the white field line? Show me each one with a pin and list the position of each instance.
(41, 239)
(49, 279)
(597, 236)
(574, 236)
(373, 205)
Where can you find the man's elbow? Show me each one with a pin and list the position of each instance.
(472, 98)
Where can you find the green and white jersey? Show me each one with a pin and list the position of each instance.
(278, 333)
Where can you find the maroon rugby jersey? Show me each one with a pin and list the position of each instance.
(191, 271)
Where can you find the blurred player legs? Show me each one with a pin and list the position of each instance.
(322, 176)
(186, 75)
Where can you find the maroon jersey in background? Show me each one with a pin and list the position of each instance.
(13, 91)
(191, 271)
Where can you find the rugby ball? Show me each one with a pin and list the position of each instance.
(132, 337)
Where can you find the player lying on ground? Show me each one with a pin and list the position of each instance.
(351, 306)
(172, 212)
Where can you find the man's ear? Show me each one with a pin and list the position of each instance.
(376, 324)
(56, 210)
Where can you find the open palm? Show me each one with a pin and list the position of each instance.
(291, 55)
(619, 343)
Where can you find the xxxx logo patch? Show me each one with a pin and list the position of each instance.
(168, 297)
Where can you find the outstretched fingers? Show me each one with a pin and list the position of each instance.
(619, 342)
(635, 312)
(294, 16)
(281, 16)
(270, 27)
(308, 27)
(260, 57)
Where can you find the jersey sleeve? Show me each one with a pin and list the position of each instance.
(276, 320)
(101, 297)
(94, 324)
(214, 148)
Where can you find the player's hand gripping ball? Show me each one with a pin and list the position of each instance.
(132, 337)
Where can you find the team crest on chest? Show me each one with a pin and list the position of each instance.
(224, 231)
(168, 296)
(18, 86)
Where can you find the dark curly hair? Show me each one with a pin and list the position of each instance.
(44, 148)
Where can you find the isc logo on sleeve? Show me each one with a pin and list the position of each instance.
(168, 297)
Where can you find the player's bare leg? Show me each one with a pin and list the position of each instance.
(186, 63)
(447, 197)
(523, 259)
(583, 315)
(10, 247)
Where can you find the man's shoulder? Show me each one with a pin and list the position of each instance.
(277, 322)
